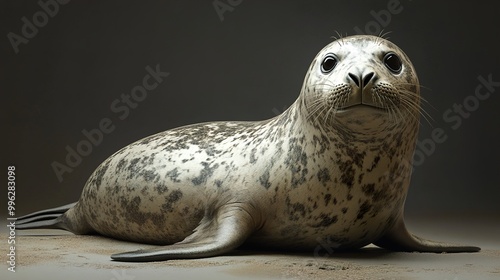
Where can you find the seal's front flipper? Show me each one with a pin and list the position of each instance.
(399, 239)
(215, 235)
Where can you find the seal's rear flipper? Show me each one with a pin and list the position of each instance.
(63, 217)
(399, 239)
(214, 236)
(42, 219)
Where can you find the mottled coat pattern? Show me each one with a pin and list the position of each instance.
(334, 168)
(342, 179)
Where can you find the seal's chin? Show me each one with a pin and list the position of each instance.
(364, 115)
(364, 121)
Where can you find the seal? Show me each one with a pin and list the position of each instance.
(333, 168)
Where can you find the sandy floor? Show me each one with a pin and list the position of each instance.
(59, 255)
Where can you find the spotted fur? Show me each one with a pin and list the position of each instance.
(326, 170)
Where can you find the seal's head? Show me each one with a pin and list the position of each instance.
(361, 83)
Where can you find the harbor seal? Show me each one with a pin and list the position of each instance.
(334, 167)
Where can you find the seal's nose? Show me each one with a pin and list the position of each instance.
(361, 80)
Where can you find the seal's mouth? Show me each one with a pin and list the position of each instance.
(381, 96)
(362, 105)
(380, 99)
(366, 97)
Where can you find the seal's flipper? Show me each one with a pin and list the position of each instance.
(214, 236)
(399, 239)
(62, 217)
(42, 219)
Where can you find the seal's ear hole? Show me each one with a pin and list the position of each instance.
(329, 62)
(393, 63)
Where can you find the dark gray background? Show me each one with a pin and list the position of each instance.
(247, 67)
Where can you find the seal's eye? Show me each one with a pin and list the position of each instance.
(393, 63)
(328, 63)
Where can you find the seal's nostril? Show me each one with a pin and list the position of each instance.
(361, 81)
(354, 78)
(367, 78)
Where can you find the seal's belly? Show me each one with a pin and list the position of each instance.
(323, 227)
(339, 219)
(140, 195)
(142, 213)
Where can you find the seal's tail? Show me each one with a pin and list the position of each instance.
(62, 217)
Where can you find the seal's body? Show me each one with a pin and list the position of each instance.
(334, 168)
